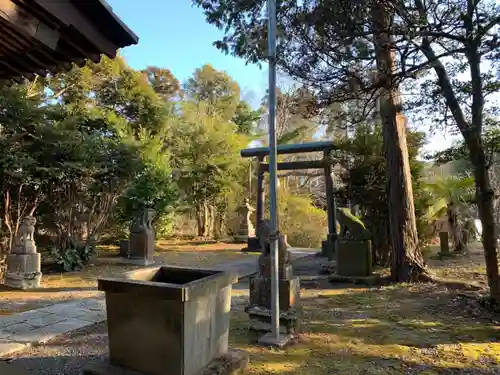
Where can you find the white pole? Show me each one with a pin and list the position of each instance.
(273, 194)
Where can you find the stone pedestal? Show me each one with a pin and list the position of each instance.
(142, 240)
(259, 308)
(124, 248)
(253, 244)
(328, 246)
(354, 258)
(444, 244)
(24, 263)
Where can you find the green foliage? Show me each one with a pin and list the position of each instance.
(246, 118)
(365, 182)
(304, 224)
(74, 257)
(216, 88)
(153, 186)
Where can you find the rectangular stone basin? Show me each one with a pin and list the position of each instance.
(167, 320)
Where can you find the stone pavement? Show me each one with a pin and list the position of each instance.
(20, 331)
(248, 266)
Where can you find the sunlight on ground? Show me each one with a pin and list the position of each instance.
(392, 330)
(58, 287)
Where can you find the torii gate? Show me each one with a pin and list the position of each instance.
(325, 163)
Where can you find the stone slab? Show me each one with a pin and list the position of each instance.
(360, 280)
(139, 261)
(21, 317)
(269, 339)
(230, 363)
(18, 328)
(44, 334)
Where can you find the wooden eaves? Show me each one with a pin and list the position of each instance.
(48, 36)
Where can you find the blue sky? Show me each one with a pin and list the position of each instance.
(173, 34)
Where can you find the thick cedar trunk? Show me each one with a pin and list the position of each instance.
(485, 197)
(407, 260)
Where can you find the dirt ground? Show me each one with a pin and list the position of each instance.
(59, 287)
(420, 329)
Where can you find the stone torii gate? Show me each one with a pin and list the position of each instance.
(325, 163)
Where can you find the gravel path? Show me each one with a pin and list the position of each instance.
(65, 355)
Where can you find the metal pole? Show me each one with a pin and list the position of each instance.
(273, 196)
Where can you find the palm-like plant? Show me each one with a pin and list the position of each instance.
(454, 197)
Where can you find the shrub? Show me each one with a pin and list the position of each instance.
(304, 224)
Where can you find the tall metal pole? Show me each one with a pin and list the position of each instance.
(273, 195)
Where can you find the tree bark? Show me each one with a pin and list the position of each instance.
(472, 136)
(407, 260)
(485, 198)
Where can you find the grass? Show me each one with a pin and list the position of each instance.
(418, 329)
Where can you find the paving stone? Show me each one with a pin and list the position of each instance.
(18, 328)
(67, 326)
(57, 308)
(92, 304)
(96, 317)
(46, 320)
(7, 348)
(21, 317)
(44, 334)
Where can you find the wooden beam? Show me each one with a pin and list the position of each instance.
(29, 24)
(295, 165)
(70, 16)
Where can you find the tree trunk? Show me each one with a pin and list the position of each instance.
(407, 260)
(485, 198)
(200, 219)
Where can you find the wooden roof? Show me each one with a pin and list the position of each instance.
(42, 36)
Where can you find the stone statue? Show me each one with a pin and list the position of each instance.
(142, 239)
(143, 222)
(264, 232)
(25, 239)
(24, 263)
(351, 227)
(246, 228)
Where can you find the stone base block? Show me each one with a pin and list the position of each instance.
(140, 261)
(360, 280)
(230, 363)
(290, 320)
(24, 263)
(124, 248)
(260, 292)
(253, 245)
(354, 258)
(23, 280)
(278, 342)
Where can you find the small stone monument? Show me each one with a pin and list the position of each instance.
(354, 253)
(259, 308)
(142, 239)
(246, 228)
(23, 262)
